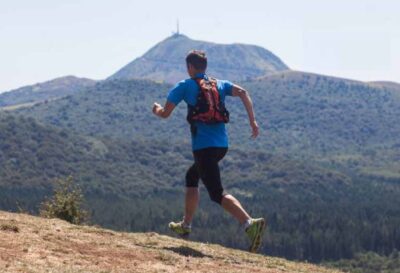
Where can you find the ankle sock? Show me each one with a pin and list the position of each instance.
(185, 225)
(246, 224)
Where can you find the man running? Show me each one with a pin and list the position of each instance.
(207, 116)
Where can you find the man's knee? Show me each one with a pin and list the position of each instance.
(192, 178)
(217, 195)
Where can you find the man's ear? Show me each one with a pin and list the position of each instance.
(190, 69)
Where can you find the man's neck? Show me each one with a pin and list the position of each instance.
(198, 74)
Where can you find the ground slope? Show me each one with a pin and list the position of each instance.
(32, 244)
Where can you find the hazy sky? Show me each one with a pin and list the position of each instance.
(44, 39)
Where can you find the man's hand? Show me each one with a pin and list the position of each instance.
(254, 128)
(157, 108)
(163, 112)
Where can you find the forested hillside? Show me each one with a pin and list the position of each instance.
(336, 122)
(313, 213)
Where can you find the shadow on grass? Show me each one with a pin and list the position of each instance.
(187, 251)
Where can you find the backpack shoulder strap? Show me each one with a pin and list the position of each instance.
(211, 79)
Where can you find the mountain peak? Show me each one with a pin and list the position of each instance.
(165, 61)
(178, 36)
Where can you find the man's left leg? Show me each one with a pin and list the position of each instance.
(210, 174)
(208, 169)
(233, 206)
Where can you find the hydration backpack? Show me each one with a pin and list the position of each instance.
(209, 108)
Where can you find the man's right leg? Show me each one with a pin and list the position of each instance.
(191, 202)
(183, 228)
(192, 193)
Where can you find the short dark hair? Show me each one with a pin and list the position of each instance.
(197, 58)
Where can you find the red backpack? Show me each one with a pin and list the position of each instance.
(209, 108)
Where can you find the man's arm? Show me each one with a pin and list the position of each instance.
(163, 112)
(240, 92)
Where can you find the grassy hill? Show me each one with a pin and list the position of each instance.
(48, 90)
(166, 61)
(32, 244)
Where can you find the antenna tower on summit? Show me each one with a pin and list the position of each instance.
(177, 26)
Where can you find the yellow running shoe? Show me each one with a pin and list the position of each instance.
(180, 228)
(255, 232)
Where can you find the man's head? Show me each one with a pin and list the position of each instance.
(196, 62)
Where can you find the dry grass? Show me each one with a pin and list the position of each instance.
(8, 226)
(52, 245)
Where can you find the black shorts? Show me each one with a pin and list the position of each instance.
(206, 167)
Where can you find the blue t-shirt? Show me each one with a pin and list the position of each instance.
(207, 135)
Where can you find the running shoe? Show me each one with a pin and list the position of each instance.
(255, 232)
(180, 228)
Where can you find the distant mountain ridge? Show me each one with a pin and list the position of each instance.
(48, 90)
(165, 61)
(300, 112)
(162, 63)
